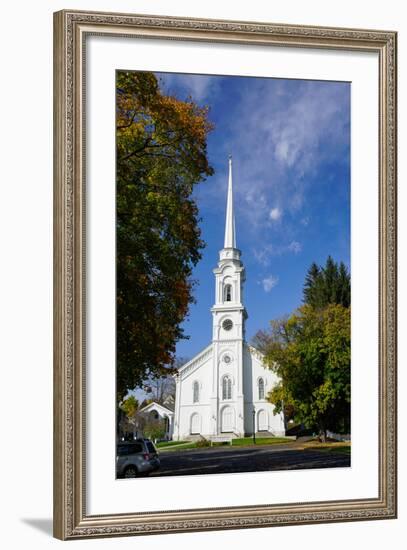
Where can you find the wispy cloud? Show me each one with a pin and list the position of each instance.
(281, 134)
(269, 283)
(295, 247)
(263, 254)
(290, 131)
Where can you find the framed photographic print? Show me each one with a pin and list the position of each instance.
(225, 274)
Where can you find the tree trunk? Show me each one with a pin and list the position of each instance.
(322, 435)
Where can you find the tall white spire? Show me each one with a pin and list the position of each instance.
(230, 232)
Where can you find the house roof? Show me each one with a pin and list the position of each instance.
(159, 408)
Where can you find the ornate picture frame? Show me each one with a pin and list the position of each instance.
(71, 519)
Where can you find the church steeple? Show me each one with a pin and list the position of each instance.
(230, 274)
(228, 328)
(230, 231)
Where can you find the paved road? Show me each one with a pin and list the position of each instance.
(252, 459)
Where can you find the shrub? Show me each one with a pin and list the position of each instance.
(203, 442)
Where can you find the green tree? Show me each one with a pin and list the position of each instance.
(327, 285)
(130, 406)
(127, 416)
(154, 429)
(161, 155)
(310, 353)
(343, 296)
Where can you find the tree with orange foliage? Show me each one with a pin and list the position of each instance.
(160, 155)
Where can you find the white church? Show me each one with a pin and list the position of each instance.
(223, 390)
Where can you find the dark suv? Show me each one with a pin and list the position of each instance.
(136, 458)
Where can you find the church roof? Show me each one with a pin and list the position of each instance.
(254, 351)
(196, 358)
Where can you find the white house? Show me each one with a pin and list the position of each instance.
(163, 412)
(223, 389)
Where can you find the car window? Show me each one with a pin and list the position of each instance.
(150, 447)
(135, 448)
(132, 448)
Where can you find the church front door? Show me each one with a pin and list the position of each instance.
(195, 424)
(227, 419)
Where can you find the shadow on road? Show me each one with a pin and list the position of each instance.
(247, 460)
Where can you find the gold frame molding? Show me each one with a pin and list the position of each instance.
(70, 31)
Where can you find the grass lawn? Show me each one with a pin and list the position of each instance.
(241, 442)
(343, 447)
(169, 443)
(178, 446)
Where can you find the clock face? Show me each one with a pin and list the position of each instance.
(227, 324)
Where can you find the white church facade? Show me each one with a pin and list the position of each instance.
(223, 390)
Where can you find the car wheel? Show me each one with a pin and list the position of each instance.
(130, 471)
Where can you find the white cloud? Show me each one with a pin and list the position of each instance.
(269, 283)
(295, 247)
(275, 214)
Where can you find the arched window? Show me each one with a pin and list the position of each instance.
(261, 388)
(227, 293)
(195, 397)
(226, 388)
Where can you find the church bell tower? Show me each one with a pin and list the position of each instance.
(229, 315)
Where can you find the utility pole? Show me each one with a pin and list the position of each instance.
(254, 426)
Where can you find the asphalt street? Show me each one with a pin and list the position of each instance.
(250, 459)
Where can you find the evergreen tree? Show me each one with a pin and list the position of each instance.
(327, 285)
(344, 285)
(313, 285)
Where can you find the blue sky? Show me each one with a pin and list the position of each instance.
(290, 142)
